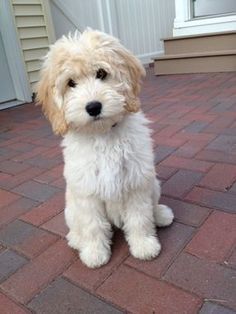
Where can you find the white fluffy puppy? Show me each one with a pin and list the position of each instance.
(89, 90)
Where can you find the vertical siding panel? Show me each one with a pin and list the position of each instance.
(34, 33)
(140, 23)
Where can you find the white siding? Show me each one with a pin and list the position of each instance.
(35, 33)
(140, 24)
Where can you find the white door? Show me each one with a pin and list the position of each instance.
(7, 90)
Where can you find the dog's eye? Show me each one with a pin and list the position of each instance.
(101, 74)
(71, 83)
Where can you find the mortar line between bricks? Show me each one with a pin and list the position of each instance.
(205, 187)
(21, 305)
(179, 252)
(22, 196)
(50, 280)
(203, 205)
(114, 269)
(185, 193)
(165, 269)
(29, 260)
(42, 229)
(228, 126)
(41, 224)
(229, 255)
(193, 156)
(165, 281)
(98, 296)
(194, 203)
(19, 268)
(215, 161)
(163, 180)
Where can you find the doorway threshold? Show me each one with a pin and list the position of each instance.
(12, 103)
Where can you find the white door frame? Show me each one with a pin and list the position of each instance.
(14, 53)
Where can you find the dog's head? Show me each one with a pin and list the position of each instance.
(88, 83)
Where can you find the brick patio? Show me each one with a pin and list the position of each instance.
(194, 123)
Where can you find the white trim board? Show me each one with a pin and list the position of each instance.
(14, 53)
(148, 57)
(10, 104)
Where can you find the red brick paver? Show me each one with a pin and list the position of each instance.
(193, 118)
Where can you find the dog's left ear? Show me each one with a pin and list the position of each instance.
(135, 73)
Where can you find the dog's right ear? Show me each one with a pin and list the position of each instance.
(47, 96)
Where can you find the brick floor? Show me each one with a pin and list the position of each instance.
(194, 133)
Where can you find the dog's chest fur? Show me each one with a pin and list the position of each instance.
(109, 165)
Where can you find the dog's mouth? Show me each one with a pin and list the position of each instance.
(97, 118)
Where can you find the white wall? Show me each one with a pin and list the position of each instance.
(140, 24)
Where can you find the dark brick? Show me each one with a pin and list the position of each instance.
(35, 275)
(34, 152)
(22, 147)
(138, 293)
(190, 149)
(59, 183)
(165, 172)
(185, 163)
(26, 238)
(173, 239)
(209, 198)
(36, 191)
(63, 297)
(47, 210)
(13, 167)
(43, 162)
(196, 127)
(92, 278)
(204, 278)
(50, 175)
(213, 308)
(9, 263)
(15, 209)
(13, 181)
(181, 183)
(161, 152)
(186, 213)
(224, 143)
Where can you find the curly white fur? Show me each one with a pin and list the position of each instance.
(109, 167)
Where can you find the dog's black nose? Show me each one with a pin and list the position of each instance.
(94, 108)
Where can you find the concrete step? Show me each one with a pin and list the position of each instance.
(200, 43)
(217, 61)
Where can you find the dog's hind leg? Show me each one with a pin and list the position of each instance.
(163, 215)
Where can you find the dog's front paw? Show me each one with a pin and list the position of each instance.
(146, 248)
(73, 240)
(95, 257)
